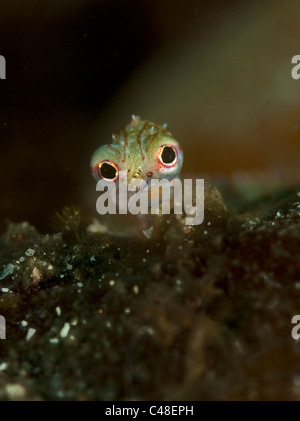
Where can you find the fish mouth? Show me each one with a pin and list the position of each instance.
(137, 173)
(137, 179)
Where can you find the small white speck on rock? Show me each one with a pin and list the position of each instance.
(29, 252)
(15, 391)
(36, 274)
(3, 366)
(8, 270)
(30, 333)
(65, 330)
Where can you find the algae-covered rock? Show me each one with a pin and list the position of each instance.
(199, 312)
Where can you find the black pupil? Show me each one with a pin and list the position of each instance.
(168, 155)
(108, 171)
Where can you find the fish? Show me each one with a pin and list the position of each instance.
(142, 149)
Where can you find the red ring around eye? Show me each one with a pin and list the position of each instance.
(165, 153)
(108, 170)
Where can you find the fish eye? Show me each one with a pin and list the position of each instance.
(167, 155)
(108, 170)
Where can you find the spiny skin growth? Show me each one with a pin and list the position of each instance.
(143, 149)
